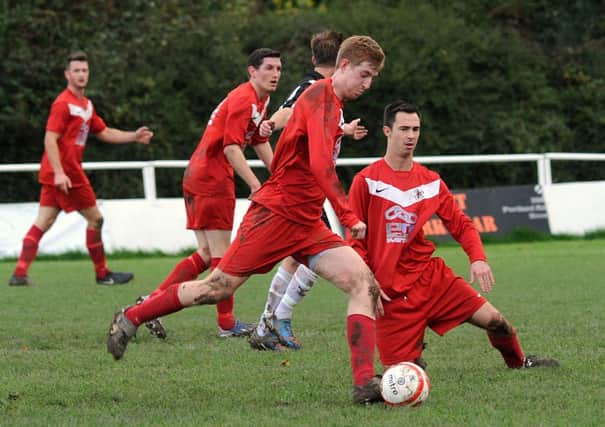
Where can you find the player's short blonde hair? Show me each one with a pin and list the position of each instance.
(358, 49)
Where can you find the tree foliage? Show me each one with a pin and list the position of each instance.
(504, 76)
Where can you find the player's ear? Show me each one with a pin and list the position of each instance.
(343, 63)
(251, 70)
(386, 130)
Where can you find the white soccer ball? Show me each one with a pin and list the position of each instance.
(405, 384)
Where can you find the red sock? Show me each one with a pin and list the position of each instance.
(29, 250)
(164, 303)
(187, 269)
(224, 309)
(361, 335)
(94, 243)
(510, 348)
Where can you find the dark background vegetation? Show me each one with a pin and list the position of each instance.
(491, 77)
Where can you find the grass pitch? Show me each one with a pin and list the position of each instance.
(54, 369)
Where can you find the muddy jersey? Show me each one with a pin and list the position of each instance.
(303, 167)
(234, 121)
(395, 205)
(72, 118)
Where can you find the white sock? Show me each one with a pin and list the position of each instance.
(279, 283)
(301, 283)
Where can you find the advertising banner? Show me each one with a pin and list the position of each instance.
(496, 211)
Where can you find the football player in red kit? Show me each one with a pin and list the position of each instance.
(293, 280)
(208, 182)
(395, 196)
(65, 186)
(285, 219)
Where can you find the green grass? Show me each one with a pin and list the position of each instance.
(54, 369)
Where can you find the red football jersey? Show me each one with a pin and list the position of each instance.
(234, 121)
(72, 118)
(303, 168)
(395, 205)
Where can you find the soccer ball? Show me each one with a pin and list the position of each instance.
(405, 384)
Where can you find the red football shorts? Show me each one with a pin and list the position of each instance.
(439, 299)
(76, 199)
(265, 238)
(208, 213)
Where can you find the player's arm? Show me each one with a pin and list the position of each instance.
(116, 136)
(281, 117)
(322, 165)
(264, 153)
(462, 229)
(51, 146)
(235, 156)
(234, 140)
(359, 199)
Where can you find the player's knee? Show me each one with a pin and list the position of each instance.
(348, 280)
(362, 283)
(96, 223)
(290, 264)
(373, 289)
(498, 325)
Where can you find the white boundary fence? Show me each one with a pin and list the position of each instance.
(542, 161)
(152, 223)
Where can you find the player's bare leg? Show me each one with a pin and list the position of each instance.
(345, 268)
(503, 337)
(228, 324)
(44, 220)
(187, 269)
(218, 286)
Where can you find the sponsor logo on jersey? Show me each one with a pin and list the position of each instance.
(400, 224)
(399, 221)
(84, 114)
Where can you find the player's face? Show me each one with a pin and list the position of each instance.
(358, 79)
(403, 136)
(77, 74)
(267, 75)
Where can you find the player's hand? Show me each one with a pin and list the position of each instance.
(379, 306)
(253, 191)
(355, 130)
(62, 182)
(358, 231)
(481, 271)
(143, 135)
(266, 128)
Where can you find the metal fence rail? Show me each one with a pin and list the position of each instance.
(543, 164)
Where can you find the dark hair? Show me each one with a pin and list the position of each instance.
(77, 55)
(257, 56)
(391, 110)
(324, 47)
